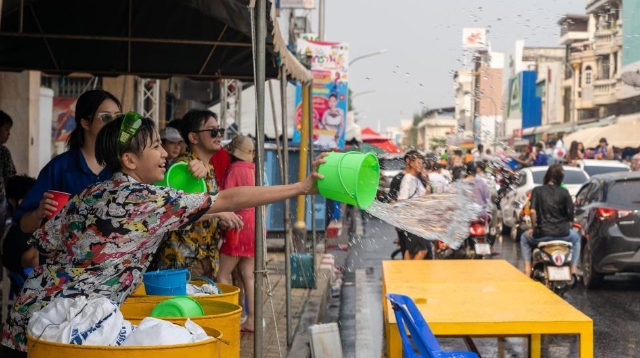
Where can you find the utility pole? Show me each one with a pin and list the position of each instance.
(321, 20)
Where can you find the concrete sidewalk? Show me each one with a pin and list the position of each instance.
(307, 305)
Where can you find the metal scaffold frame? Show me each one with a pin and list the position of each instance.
(231, 103)
(148, 97)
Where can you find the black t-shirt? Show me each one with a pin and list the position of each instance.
(15, 244)
(394, 187)
(554, 210)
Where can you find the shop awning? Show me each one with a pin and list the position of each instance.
(622, 134)
(387, 146)
(587, 136)
(559, 128)
(202, 40)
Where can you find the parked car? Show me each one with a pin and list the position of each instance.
(529, 178)
(595, 167)
(390, 165)
(607, 210)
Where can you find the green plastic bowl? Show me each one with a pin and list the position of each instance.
(179, 306)
(179, 177)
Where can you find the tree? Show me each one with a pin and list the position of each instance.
(438, 143)
(412, 141)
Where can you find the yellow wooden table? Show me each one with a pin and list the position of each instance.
(488, 298)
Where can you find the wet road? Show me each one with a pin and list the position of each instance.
(614, 308)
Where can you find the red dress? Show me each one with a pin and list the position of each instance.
(242, 174)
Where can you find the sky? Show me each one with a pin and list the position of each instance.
(424, 43)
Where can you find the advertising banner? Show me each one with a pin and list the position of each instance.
(63, 121)
(474, 38)
(631, 54)
(63, 116)
(329, 65)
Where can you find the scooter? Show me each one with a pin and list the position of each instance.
(523, 220)
(551, 265)
(476, 246)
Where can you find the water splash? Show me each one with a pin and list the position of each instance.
(443, 216)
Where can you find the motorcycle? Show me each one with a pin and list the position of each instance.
(523, 220)
(476, 246)
(551, 265)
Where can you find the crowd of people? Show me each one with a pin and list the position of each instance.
(491, 177)
(117, 223)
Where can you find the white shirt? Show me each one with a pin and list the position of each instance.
(410, 187)
(438, 182)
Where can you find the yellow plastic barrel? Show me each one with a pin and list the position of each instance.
(222, 316)
(229, 294)
(210, 348)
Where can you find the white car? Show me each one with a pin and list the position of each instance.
(529, 178)
(595, 167)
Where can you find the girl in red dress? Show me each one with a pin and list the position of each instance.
(241, 251)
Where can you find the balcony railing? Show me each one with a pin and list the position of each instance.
(581, 47)
(605, 91)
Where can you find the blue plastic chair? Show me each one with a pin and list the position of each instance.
(408, 315)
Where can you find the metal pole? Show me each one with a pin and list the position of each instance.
(259, 74)
(321, 20)
(275, 129)
(287, 203)
(300, 226)
(237, 116)
(313, 197)
(573, 99)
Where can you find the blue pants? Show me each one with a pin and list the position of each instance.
(528, 243)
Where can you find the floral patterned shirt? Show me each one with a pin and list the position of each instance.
(200, 241)
(101, 243)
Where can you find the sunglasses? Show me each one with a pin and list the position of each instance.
(107, 117)
(128, 129)
(214, 132)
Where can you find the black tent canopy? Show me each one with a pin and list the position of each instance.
(198, 39)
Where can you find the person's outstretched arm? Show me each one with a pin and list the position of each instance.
(234, 199)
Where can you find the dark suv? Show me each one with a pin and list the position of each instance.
(607, 209)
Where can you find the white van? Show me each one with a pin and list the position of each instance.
(595, 167)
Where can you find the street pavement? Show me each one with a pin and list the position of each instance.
(615, 308)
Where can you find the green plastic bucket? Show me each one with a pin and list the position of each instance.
(350, 178)
(179, 177)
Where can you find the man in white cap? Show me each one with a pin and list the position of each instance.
(172, 143)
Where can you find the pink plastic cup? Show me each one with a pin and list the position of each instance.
(62, 198)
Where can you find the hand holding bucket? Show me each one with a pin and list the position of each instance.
(351, 178)
(61, 199)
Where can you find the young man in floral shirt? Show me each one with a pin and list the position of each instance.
(197, 247)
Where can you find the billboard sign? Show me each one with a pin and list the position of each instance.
(474, 38)
(514, 109)
(524, 104)
(329, 66)
(296, 4)
(630, 76)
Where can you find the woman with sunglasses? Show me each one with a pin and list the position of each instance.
(76, 168)
(103, 239)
